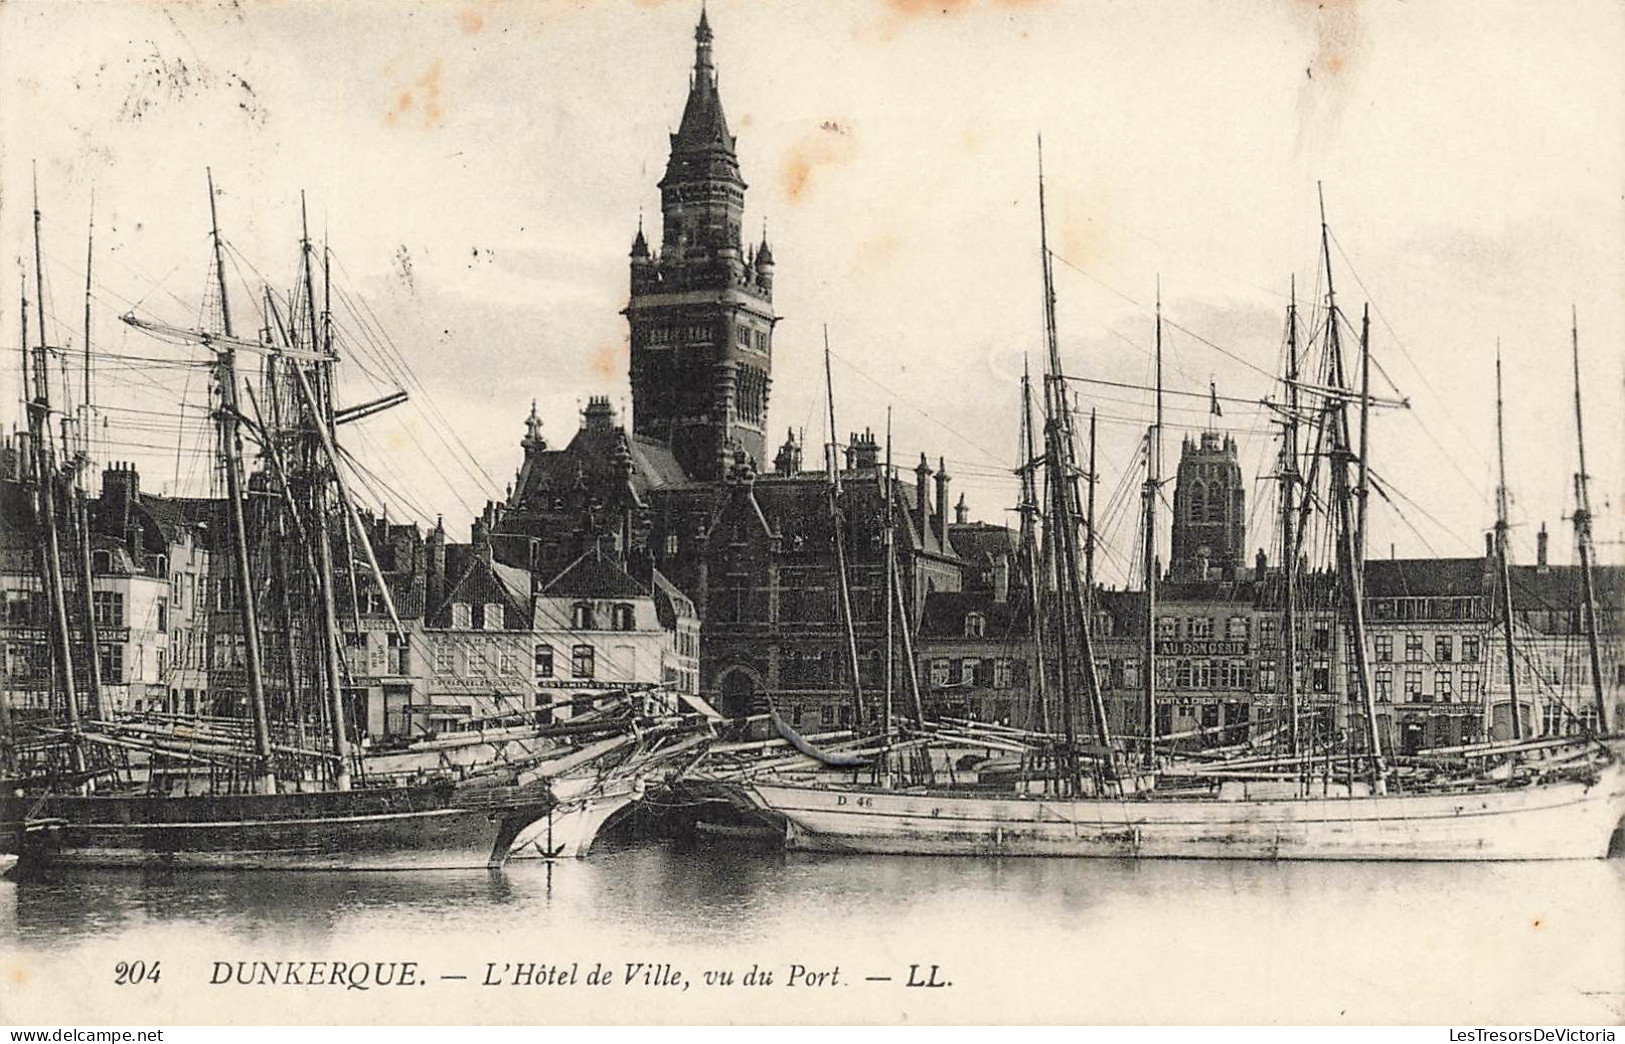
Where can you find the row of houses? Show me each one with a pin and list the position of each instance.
(477, 638)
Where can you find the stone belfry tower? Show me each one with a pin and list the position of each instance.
(701, 310)
(1210, 511)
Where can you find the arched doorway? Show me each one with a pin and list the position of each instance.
(736, 689)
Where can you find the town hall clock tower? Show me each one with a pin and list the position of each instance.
(701, 310)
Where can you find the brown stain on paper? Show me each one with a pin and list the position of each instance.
(419, 102)
(830, 144)
(1324, 91)
(609, 360)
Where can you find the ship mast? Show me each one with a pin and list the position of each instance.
(1582, 534)
(1089, 518)
(46, 479)
(1362, 488)
(1503, 568)
(1063, 474)
(318, 403)
(891, 567)
(231, 449)
(1153, 482)
(1353, 565)
(840, 544)
(82, 509)
(1029, 547)
(1289, 549)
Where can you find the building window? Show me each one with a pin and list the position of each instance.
(109, 606)
(1444, 648)
(1267, 631)
(1201, 627)
(1320, 676)
(493, 616)
(19, 608)
(1001, 674)
(477, 665)
(1413, 686)
(968, 667)
(581, 617)
(1182, 675)
(1168, 628)
(507, 662)
(1384, 645)
(112, 664)
(622, 616)
(1322, 636)
(1236, 629)
(975, 625)
(826, 715)
(939, 673)
(1443, 686)
(462, 616)
(1469, 650)
(1266, 675)
(1413, 648)
(671, 545)
(1469, 685)
(1385, 686)
(444, 663)
(581, 661)
(544, 661)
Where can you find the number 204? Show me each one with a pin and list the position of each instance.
(129, 973)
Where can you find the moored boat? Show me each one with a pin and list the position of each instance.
(1566, 818)
(1326, 796)
(430, 826)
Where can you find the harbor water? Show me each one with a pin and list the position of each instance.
(681, 932)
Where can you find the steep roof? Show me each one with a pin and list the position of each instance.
(594, 576)
(945, 613)
(1424, 577)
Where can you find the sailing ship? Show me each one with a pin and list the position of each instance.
(1119, 796)
(289, 788)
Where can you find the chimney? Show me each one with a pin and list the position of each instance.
(942, 503)
(863, 453)
(121, 485)
(788, 462)
(1001, 579)
(961, 512)
(599, 414)
(435, 586)
(922, 496)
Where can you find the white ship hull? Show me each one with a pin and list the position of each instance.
(570, 828)
(1560, 820)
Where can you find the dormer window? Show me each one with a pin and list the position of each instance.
(493, 616)
(101, 561)
(622, 617)
(581, 617)
(975, 625)
(462, 616)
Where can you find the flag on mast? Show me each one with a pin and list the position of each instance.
(1213, 394)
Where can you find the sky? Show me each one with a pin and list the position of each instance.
(479, 168)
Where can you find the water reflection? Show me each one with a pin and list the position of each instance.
(1371, 930)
